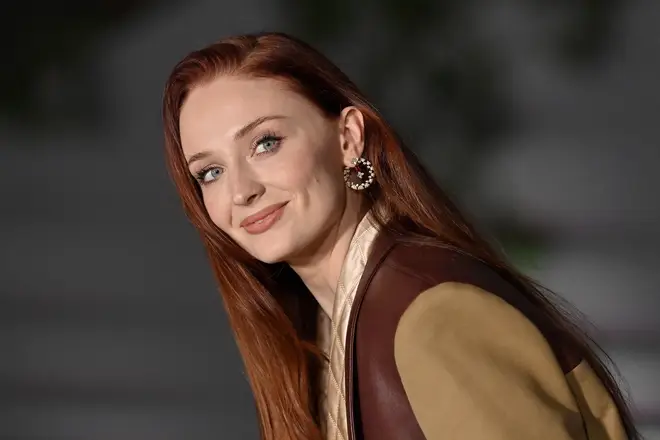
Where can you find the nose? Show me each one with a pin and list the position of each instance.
(245, 188)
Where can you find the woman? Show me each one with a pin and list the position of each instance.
(363, 304)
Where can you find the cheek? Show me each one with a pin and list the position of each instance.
(218, 209)
(311, 174)
(321, 185)
(308, 163)
(294, 173)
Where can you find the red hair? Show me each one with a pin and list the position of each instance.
(270, 311)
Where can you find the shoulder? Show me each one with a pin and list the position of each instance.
(464, 352)
(412, 274)
(421, 287)
(432, 264)
(431, 317)
(464, 317)
(470, 346)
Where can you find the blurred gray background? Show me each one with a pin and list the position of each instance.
(541, 117)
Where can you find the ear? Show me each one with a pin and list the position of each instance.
(351, 133)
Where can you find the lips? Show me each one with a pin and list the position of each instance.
(260, 215)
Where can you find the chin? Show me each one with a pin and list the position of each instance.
(274, 253)
(269, 259)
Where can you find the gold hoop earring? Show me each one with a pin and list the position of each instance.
(360, 175)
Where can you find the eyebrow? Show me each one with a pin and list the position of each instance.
(241, 133)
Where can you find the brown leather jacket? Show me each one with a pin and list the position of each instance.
(440, 346)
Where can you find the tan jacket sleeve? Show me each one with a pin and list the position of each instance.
(473, 368)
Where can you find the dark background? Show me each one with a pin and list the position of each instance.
(540, 116)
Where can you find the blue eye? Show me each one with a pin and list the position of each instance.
(208, 175)
(267, 144)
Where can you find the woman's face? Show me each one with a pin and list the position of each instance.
(269, 163)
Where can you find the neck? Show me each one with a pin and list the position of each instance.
(320, 270)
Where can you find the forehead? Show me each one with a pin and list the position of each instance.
(225, 104)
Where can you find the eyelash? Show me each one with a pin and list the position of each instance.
(199, 175)
(268, 136)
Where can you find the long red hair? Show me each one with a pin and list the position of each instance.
(270, 311)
